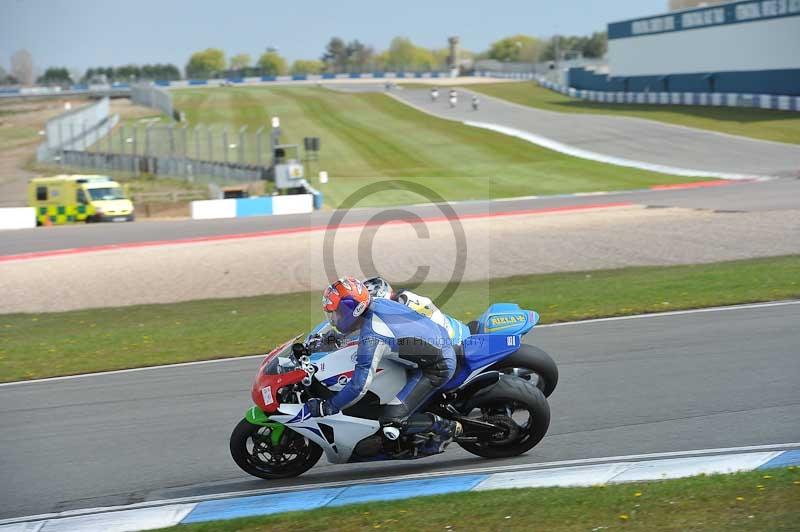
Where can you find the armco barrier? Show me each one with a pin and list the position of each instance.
(17, 218)
(257, 206)
(760, 101)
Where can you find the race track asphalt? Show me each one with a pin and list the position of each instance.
(777, 194)
(623, 137)
(708, 379)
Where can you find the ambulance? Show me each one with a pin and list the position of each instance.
(64, 199)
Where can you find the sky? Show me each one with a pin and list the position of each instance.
(81, 33)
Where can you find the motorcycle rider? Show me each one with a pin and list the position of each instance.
(379, 287)
(388, 329)
(453, 98)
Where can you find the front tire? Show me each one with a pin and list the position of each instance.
(518, 397)
(253, 451)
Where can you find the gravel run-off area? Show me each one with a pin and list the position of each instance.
(495, 247)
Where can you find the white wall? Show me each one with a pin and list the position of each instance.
(762, 45)
(211, 209)
(293, 204)
(17, 218)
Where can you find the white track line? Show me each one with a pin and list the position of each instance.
(415, 476)
(566, 149)
(580, 153)
(748, 306)
(674, 313)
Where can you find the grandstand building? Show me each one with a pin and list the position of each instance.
(750, 46)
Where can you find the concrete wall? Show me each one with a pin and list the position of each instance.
(257, 206)
(748, 46)
(772, 44)
(17, 218)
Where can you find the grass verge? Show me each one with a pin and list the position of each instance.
(743, 501)
(764, 124)
(369, 136)
(52, 344)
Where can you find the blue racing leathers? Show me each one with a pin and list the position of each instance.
(388, 327)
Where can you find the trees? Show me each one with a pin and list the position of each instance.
(306, 66)
(359, 56)
(405, 55)
(240, 61)
(353, 56)
(594, 46)
(6, 78)
(272, 64)
(22, 67)
(335, 56)
(128, 73)
(401, 54)
(206, 64)
(517, 48)
(55, 76)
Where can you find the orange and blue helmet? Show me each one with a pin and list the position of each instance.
(344, 302)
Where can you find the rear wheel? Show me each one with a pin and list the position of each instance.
(521, 409)
(253, 450)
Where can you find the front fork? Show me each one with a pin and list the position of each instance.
(256, 416)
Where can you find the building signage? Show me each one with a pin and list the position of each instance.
(733, 13)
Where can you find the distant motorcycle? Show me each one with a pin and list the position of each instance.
(475, 103)
(498, 394)
(434, 94)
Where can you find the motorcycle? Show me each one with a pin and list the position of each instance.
(498, 394)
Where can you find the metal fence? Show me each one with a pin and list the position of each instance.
(241, 146)
(92, 139)
(153, 97)
(76, 129)
(191, 169)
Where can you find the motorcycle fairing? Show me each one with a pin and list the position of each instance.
(335, 369)
(347, 430)
(507, 318)
(480, 352)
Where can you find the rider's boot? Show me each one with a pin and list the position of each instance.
(443, 431)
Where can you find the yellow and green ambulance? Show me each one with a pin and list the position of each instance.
(64, 199)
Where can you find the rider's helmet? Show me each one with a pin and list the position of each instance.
(379, 287)
(344, 302)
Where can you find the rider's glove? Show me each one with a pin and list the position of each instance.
(319, 408)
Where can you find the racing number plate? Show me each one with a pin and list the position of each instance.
(266, 393)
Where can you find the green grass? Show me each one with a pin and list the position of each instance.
(51, 344)
(369, 136)
(765, 124)
(718, 502)
(15, 137)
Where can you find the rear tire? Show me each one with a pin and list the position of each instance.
(523, 396)
(252, 449)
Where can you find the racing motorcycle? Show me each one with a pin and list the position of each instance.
(498, 394)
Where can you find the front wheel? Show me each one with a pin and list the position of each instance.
(254, 450)
(521, 409)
